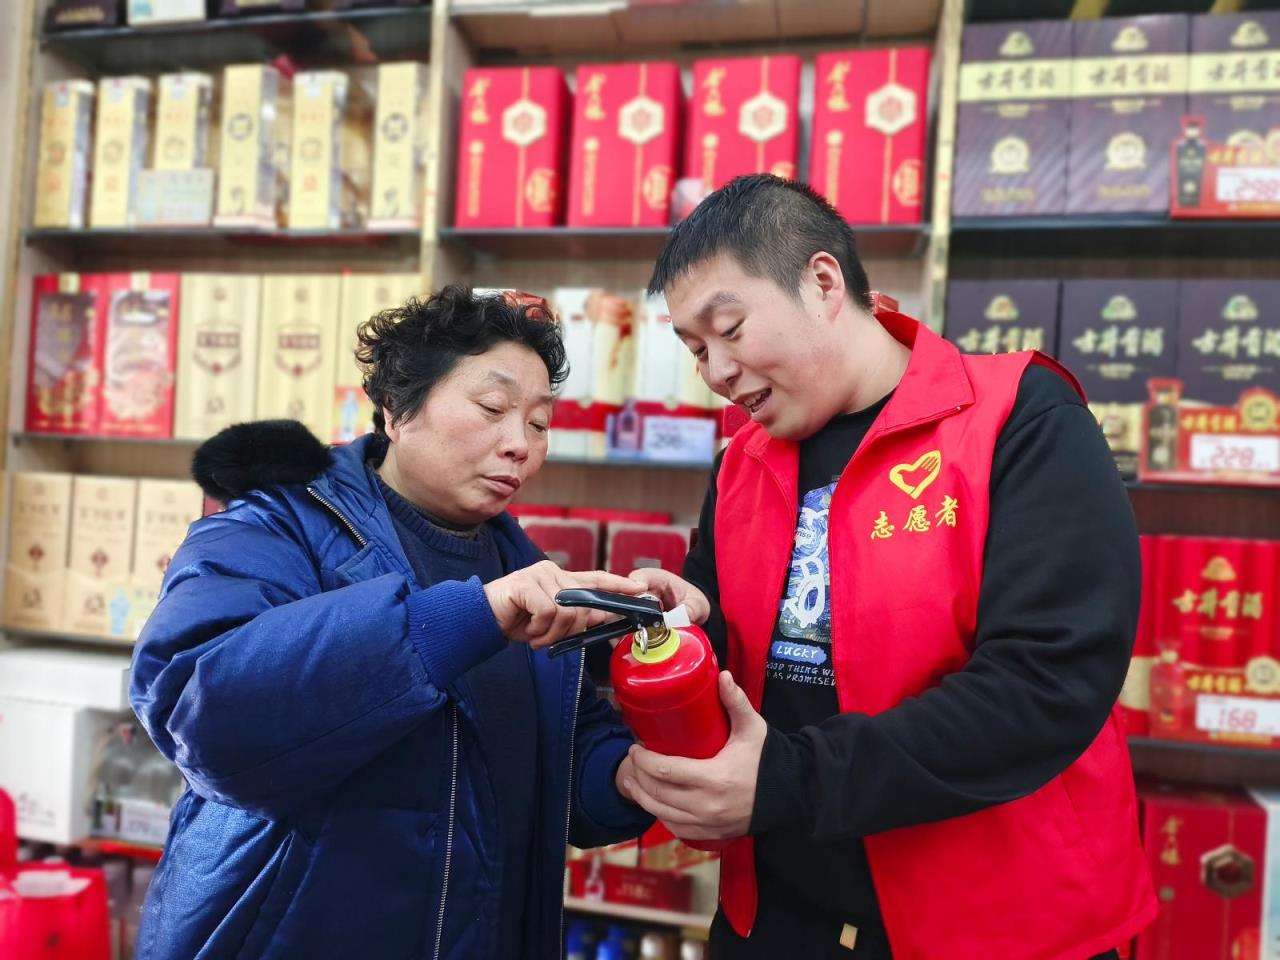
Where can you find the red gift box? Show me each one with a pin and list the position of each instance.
(64, 365)
(635, 545)
(1207, 855)
(743, 119)
(140, 354)
(658, 889)
(569, 544)
(869, 124)
(626, 143)
(1135, 698)
(511, 151)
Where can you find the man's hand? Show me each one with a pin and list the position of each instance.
(524, 602)
(673, 591)
(703, 799)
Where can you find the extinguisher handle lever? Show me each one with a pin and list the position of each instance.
(639, 610)
(604, 631)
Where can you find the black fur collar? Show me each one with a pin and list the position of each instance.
(247, 456)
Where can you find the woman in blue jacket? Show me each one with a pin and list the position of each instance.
(346, 666)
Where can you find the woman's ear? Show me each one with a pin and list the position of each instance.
(391, 429)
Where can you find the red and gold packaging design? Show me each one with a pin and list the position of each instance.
(1214, 617)
(1135, 696)
(39, 528)
(511, 154)
(64, 366)
(597, 327)
(569, 544)
(743, 119)
(635, 545)
(1207, 851)
(592, 878)
(626, 144)
(870, 119)
(140, 354)
(297, 359)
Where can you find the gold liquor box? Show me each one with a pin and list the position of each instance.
(184, 121)
(218, 337)
(66, 144)
(39, 524)
(399, 146)
(253, 146)
(330, 160)
(101, 553)
(120, 149)
(297, 360)
(363, 296)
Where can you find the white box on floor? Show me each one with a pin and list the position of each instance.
(80, 678)
(47, 753)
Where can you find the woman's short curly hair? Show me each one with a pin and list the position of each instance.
(407, 350)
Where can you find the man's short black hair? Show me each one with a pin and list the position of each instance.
(407, 350)
(771, 227)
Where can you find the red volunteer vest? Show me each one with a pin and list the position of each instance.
(1057, 875)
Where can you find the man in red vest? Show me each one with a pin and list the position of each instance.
(921, 570)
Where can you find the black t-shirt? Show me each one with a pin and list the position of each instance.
(1061, 547)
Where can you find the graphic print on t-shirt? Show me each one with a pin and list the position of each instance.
(802, 652)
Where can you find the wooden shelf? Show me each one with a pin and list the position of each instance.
(613, 28)
(645, 243)
(1123, 236)
(988, 10)
(141, 243)
(320, 37)
(1205, 763)
(20, 438)
(58, 636)
(622, 911)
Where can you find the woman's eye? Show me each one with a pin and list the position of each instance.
(492, 411)
(732, 331)
(540, 427)
(699, 353)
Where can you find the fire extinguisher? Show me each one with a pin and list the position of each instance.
(666, 679)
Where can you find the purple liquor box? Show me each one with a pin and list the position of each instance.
(1003, 316)
(1235, 79)
(1011, 127)
(1129, 78)
(1229, 339)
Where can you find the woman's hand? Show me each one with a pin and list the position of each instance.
(673, 591)
(524, 602)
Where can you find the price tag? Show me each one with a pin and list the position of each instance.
(680, 438)
(1249, 184)
(1238, 715)
(1231, 452)
(142, 821)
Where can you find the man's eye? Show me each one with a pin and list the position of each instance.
(732, 331)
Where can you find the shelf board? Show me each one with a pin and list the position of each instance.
(59, 636)
(1205, 763)
(703, 466)
(79, 438)
(622, 911)
(645, 243)
(1141, 487)
(1116, 236)
(328, 37)
(198, 241)
(611, 28)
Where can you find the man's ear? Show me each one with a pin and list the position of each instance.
(827, 278)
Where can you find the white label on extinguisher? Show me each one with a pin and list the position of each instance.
(1238, 715)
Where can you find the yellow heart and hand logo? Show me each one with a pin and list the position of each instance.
(914, 478)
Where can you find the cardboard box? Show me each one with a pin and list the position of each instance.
(1228, 338)
(743, 119)
(121, 142)
(254, 146)
(298, 359)
(598, 338)
(656, 889)
(79, 14)
(1130, 81)
(870, 121)
(626, 144)
(1003, 316)
(103, 511)
(47, 754)
(217, 352)
(512, 148)
(97, 679)
(231, 8)
(363, 296)
(1116, 335)
(634, 545)
(569, 544)
(39, 531)
(140, 355)
(1012, 121)
(66, 146)
(1235, 79)
(184, 121)
(1207, 851)
(143, 13)
(64, 362)
(399, 150)
(329, 172)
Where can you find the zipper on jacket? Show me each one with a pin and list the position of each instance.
(448, 843)
(351, 528)
(568, 810)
